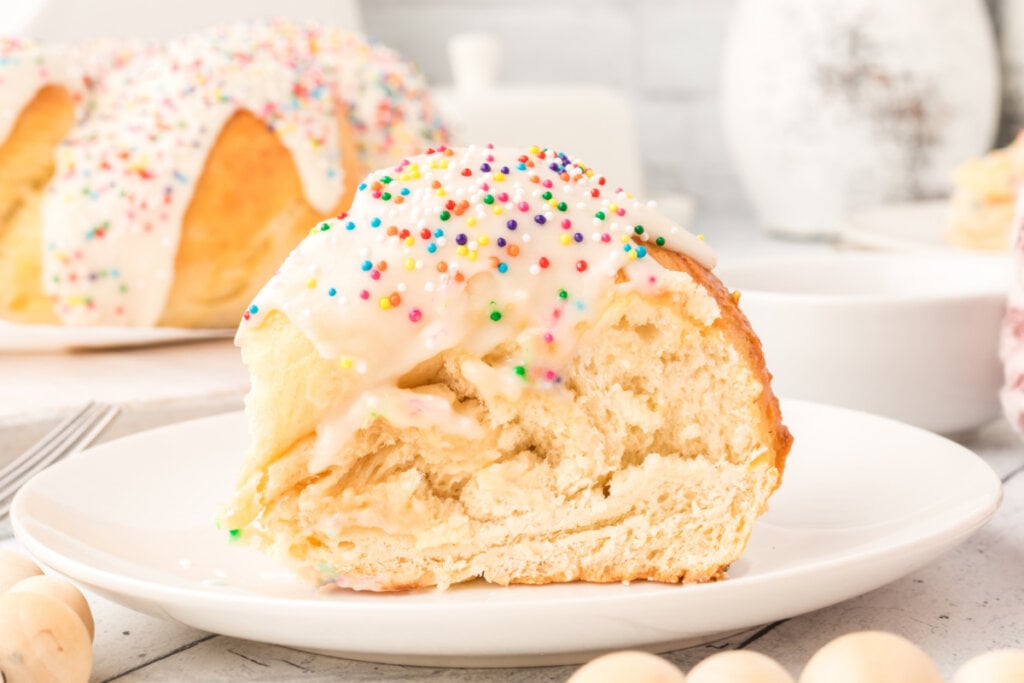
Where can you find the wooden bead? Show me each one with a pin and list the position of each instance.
(739, 666)
(14, 567)
(870, 657)
(42, 640)
(1001, 666)
(629, 665)
(64, 591)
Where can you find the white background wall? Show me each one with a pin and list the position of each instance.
(664, 54)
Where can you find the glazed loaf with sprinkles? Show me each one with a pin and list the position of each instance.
(498, 365)
(162, 184)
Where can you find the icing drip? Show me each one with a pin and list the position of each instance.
(465, 248)
(404, 408)
(126, 174)
(389, 107)
(25, 67)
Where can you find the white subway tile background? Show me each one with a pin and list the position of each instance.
(665, 55)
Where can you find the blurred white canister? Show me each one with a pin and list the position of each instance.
(831, 105)
(1011, 28)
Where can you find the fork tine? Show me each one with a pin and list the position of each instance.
(74, 441)
(71, 441)
(109, 413)
(43, 456)
(44, 442)
(76, 437)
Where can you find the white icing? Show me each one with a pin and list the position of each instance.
(382, 301)
(404, 408)
(25, 68)
(126, 174)
(389, 107)
(492, 382)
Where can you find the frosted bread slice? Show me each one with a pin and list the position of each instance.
(497, 365)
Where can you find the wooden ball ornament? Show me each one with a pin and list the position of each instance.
(628, 665)
(14, 568)
(62, 590)
(870, 657)
(1000, 666)
(42, 640)
(739, 666)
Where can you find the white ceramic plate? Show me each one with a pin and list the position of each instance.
(903, 226)
(15, 337)
(865, 500)
(912, 335)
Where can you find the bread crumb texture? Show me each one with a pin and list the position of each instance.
(651, 459)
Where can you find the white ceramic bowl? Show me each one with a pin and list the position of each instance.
(913, 336)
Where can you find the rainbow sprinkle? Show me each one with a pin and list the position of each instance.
(406, 271)
(126, 172)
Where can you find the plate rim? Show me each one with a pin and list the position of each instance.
(17, 337)
(853, 233)
(947, 535)
(975, 520)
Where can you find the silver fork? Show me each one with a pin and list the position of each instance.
(70, 436)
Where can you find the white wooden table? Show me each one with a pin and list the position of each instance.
(969, 601)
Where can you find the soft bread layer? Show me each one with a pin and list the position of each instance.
(984, 196)
(26, 166)
(652, 461)
(977, 223)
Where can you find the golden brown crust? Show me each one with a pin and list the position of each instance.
(606, 575)
(734, 324)
(248, 211)
(26, 166)
(616, 575)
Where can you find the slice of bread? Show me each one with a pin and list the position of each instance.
(984, 196)
(651, 459)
